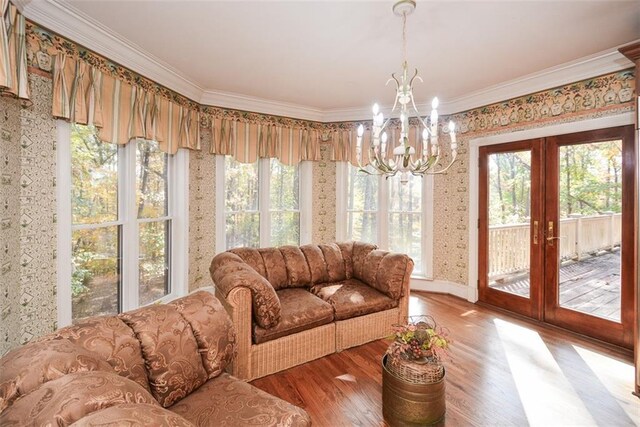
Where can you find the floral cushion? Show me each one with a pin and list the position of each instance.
(301, 310)
(170, 351)
(228, 402)
(352, 298)
(26, 368)
(69, 398)
(133, 415)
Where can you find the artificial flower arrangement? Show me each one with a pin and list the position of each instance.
(420, 340)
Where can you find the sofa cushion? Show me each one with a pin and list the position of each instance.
(275, 267)
(227, 275)
(111, 338)
(317, 264)
(26, 368)
(297, 266)
(393, 272)
(301, 310)
(212, 329)
(133, 415)
(352, 298)
(335, 262)
(360, 252)
(346, 248)
(71, 397)
(252, 257)
(170, 351)
(226, 401)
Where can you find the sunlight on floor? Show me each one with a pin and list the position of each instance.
(616, 376)
(547, 396)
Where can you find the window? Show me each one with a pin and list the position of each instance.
(120, 224)
(386, 212)
(262, 203)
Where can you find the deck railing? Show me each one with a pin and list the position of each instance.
(579, 235)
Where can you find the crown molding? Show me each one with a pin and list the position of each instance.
(62, 18)
(237, 101)
(604, 62)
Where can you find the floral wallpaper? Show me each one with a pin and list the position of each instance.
(9, 223)
(28, 217)
(324, 198)
(202, 212)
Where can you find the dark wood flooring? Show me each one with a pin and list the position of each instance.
(591, 285)
(505, 371)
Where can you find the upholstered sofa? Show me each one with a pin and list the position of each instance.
(160, 365)
(294, 304)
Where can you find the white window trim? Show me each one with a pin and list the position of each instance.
(178, 165)
(342, 174)
(305, 201)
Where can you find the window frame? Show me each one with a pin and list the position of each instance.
(264, 204)
(128, 222)
(383, 214)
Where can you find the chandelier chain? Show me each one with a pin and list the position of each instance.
(404, 37)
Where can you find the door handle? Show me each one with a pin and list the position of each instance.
(535, 232)
(551, 237)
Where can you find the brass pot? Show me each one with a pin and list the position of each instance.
(410, 404)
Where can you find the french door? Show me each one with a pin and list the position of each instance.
(556, 231)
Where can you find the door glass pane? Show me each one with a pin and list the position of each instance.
(94, 177)
(151, 180)
(509, 222)
(154, 261)
(95, 278)
(590, 189)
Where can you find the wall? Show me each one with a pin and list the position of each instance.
(28, 216)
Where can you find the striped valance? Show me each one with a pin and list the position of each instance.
(13, 52)
(120, 111)
(247, 141)
(344, 143)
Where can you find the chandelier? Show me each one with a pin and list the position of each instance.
(404, 159)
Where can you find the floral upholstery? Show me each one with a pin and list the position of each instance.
(352, 298)
(69, 398)
(229, 402)
(301, 310)
(394, 271)
(170, 350)
(275, 267)
(208, 319)
(359, 254)
(112, 339)
(252, 257)
(26, 368)
(133, 415)
(228, 271)
(317, 264)
(297, 266)
(80, 375)
(335, 262)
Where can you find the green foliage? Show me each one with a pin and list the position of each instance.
(589, 182)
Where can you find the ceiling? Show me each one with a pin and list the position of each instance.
(337, 55)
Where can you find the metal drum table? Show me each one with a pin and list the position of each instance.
(410, 398)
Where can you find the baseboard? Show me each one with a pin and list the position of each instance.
(445, 287)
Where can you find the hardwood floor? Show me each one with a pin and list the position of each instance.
(505, 371)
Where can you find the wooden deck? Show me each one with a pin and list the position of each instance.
(591, 285)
